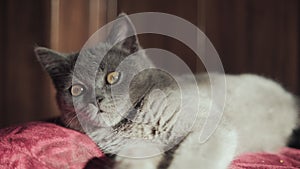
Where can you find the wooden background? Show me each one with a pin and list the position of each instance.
(251, 36)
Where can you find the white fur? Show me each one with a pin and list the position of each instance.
(263, 113)
(259, 115)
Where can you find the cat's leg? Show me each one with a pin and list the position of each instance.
(137, 163)
(138, 157)
(216, 153)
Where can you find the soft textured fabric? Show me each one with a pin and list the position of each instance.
(45, 146)
(287, 158)
(41, 145)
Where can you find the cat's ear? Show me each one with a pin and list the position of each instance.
(121, 29)
(50, 60)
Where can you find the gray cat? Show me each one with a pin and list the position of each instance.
(259, 114)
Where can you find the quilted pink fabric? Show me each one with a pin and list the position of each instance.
(46, 146)
(287, 158)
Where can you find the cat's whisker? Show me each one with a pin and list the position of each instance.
(69, 122)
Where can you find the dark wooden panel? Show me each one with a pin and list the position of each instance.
(254, 36)
(2, 60)
(27, 24)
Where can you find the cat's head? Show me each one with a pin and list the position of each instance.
(93, 95)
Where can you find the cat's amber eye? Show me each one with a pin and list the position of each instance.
(112, 77)
(77, 90)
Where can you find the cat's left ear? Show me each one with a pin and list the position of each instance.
(120, 34)
(52, 61)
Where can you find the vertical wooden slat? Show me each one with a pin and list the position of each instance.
(292, 67)
(112, 6)
(2, 62)
(54, 32)
(74, 25)
(201, 23)
(95, 13)
(26, 25)
(242, 32)
(201, 14)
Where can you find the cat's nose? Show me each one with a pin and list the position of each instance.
(99, 99)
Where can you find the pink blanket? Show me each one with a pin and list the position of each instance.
(48, 146)
(44, 146)
(287, 158)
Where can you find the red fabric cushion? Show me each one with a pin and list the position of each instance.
(287, 158)
(48, 146)
(45, 146)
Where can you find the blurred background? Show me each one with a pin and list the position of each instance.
(251, 36)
